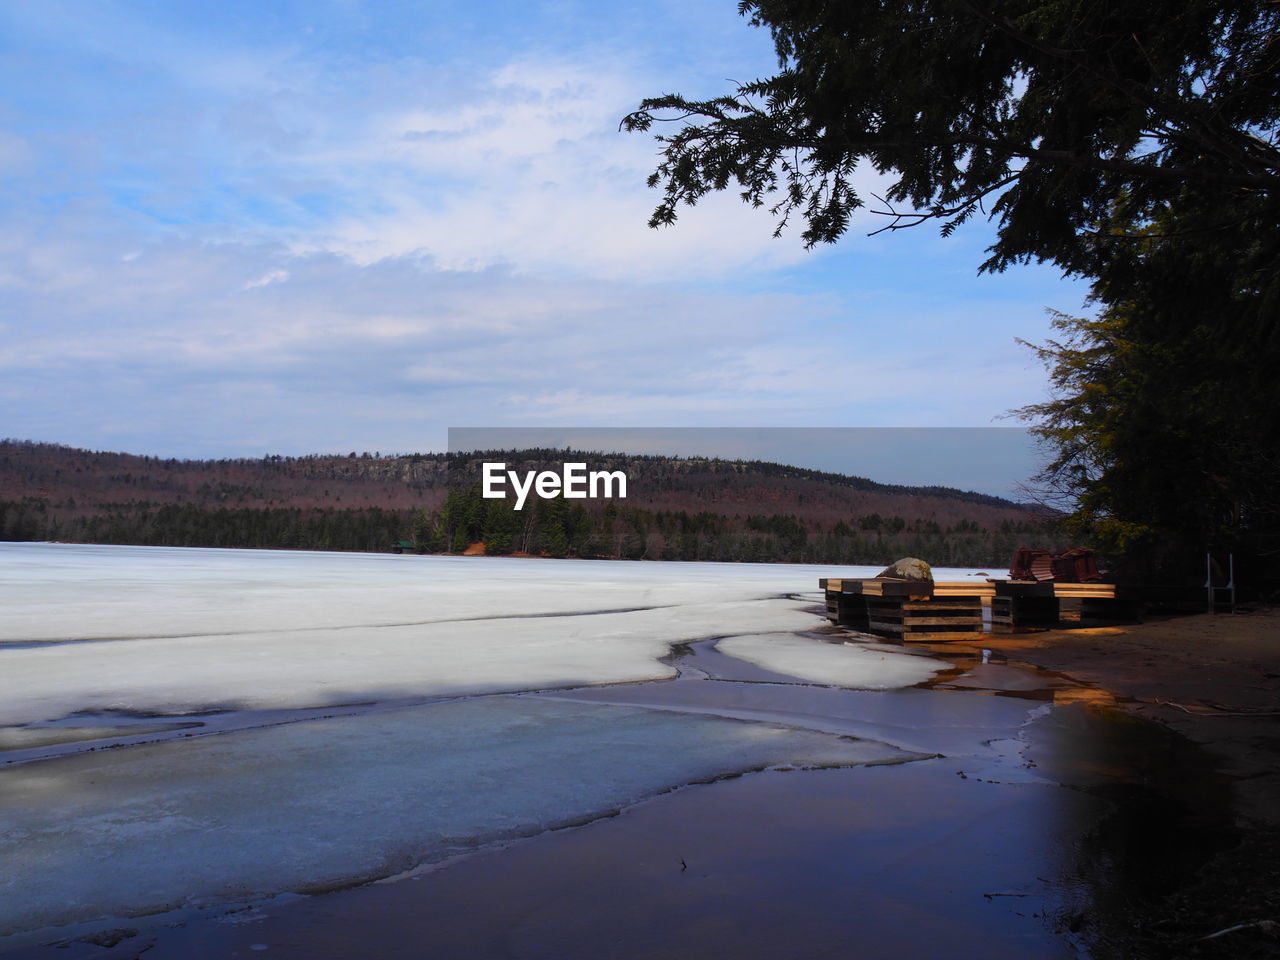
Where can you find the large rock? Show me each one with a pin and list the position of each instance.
(908, 568)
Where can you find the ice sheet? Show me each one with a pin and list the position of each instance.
(64, 591)
(28, 738)
(864, 666)
(319, 667)
(307, 803)
(216, 629)
(306, 806)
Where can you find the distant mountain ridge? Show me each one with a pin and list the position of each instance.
(370, 501)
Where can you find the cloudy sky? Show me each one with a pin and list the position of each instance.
(244, 228)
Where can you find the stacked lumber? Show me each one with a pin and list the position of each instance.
(1032, 605)
(964, 588)
(937, 618)
(1023, 613)
(912, 588)
(951, 610)
(847, 610)
(879, 588)
(1085, 591)
(907, 609)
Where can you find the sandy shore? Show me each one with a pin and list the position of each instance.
(1215, 680)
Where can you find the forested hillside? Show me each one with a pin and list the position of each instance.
(686, 509)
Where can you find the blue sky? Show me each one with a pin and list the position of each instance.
(245, 228)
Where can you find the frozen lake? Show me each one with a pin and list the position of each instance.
(286, 723)
(170, 630)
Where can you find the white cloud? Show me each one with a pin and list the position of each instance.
(532, 173)
(232, 248)
(185, 350)
(271, 276)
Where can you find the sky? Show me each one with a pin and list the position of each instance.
(240, 228)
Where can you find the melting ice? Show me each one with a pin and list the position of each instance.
(303, 805)
(866, 667)
(307, 806)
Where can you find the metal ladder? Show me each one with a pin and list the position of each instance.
(1220, 597)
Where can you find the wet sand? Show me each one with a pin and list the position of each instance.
(1212, 681)
(832, 863)
(1025, 831)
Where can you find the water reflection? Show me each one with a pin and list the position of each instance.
(1047, 812)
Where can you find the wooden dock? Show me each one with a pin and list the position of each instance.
(1031, 605)
(908, 588)
(954, 610)
(908, 610)
(938, 618)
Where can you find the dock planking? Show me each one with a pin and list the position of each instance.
(953, 610)
(908, 588)
(908, 609)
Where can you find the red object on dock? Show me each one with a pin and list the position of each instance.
(1076, 566)
(1070, 566)
(1024, 558)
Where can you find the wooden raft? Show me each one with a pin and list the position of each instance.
(1031, 605)
(952, 610)
(905, 610)
(1019, 605)
(938, 618)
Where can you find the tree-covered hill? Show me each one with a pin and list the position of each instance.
(677, 508)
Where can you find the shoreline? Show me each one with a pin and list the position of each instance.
(1214, 680)
(1010, 838)
(1043, 805)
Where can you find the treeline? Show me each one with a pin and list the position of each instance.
(31, 468)
(369, 529)
(554, 528)
(559, 528)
